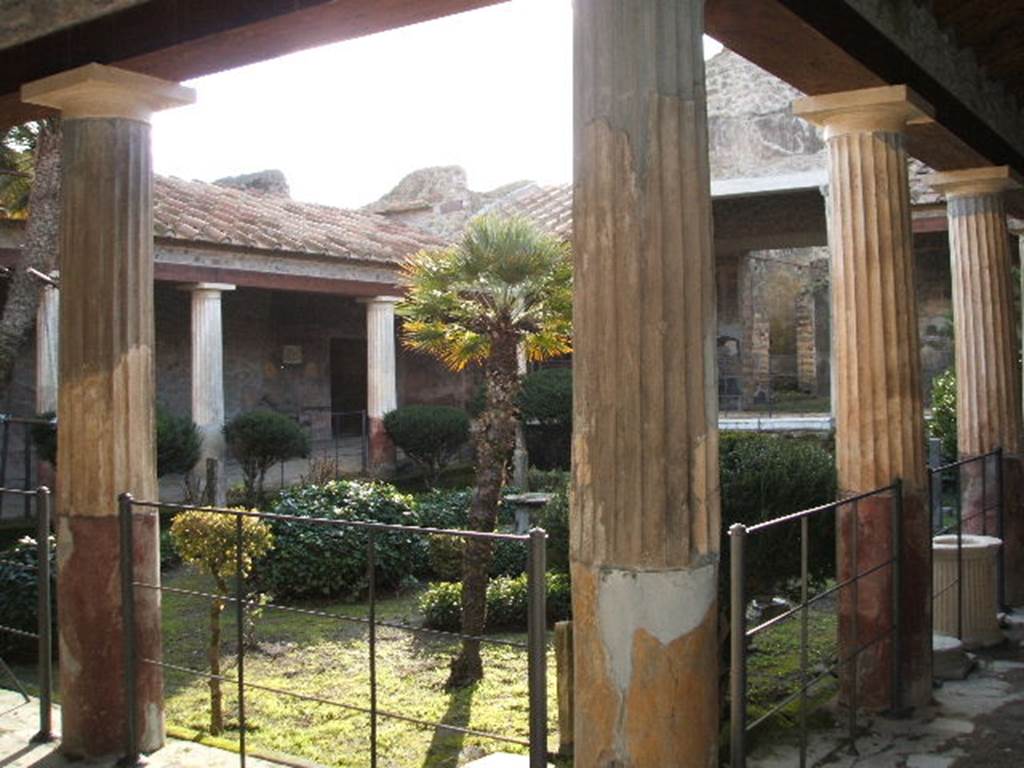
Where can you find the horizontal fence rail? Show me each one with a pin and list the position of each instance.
(968, 481)
(535, 644)
(741, 634)
(42, 632)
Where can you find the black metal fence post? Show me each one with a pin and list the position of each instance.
(738, 647)
(44, 615)
(26, 442)
(371, 581)
(537, 652)
(240, 633)
(804, 569)
(127, 551)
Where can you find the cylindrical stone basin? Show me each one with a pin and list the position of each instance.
(980, 604)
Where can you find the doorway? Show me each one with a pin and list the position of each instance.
(348, 386)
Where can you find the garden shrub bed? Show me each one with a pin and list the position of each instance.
(507, 603)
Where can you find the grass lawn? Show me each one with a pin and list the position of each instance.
(328, 658)
(773, 672)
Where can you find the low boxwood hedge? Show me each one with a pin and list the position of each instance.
(507, 603)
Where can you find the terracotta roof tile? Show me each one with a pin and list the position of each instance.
(549, 208)
(196, 211)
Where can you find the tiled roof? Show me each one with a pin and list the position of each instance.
(549, 208)
(199, 212)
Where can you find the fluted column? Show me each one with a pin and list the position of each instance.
(381, 387)
(879, 416)
(987, 374)
(106, 397)
(645, 507)
(208, 377)
(987, 371)
(47, 335)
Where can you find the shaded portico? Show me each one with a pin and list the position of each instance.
(648, 140)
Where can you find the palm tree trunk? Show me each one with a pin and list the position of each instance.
(494, 441)
(39, 250)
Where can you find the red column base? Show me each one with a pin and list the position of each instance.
(381, 450)
(91, 641)
(866, 609)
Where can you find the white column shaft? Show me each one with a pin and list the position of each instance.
(381, 388)
(47, 318)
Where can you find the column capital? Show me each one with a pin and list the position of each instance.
(380, 300)
(212, 287)
(889, 108)
(97, 90)
(972, 182)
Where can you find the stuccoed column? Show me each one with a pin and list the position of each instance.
(106, 442)
(878, 403)
(208, 378)
(645, 507)
(987, 371)
(47, 336)
(381, 386)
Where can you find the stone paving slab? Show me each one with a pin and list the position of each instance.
(19, 721)
(935, 737)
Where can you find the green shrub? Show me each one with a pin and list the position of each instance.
(766, 476)
(319, 560)
(507, 603)
(44, 436)
(430, 435)
(943, 421)
(177, 443)
(554, 519)
(450, 509)
(551, 480)
(259, 440)
(545, 403)
(18, 595)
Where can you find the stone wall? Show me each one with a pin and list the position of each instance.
(258, 325)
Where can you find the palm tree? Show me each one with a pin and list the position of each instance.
(30, 162)
(505, 284)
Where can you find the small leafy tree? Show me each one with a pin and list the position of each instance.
(208, 541)
(430, 435)
(177, 443)
(259, 440)
(546, 405)
(504, 285)
(943, 422)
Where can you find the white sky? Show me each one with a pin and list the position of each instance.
(490, 90)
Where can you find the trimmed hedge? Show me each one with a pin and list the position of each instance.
(319, 560)
(450, 509)
(18, 595)
(259, 440)
(507, 603)
(765, 476)
(177, 442)
(545, 403)
(430, 435)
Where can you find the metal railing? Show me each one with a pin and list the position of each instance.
(7, 421)
(42, 633)
(535, 645)
(740, 634)
(343, 426)
(968, 482)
